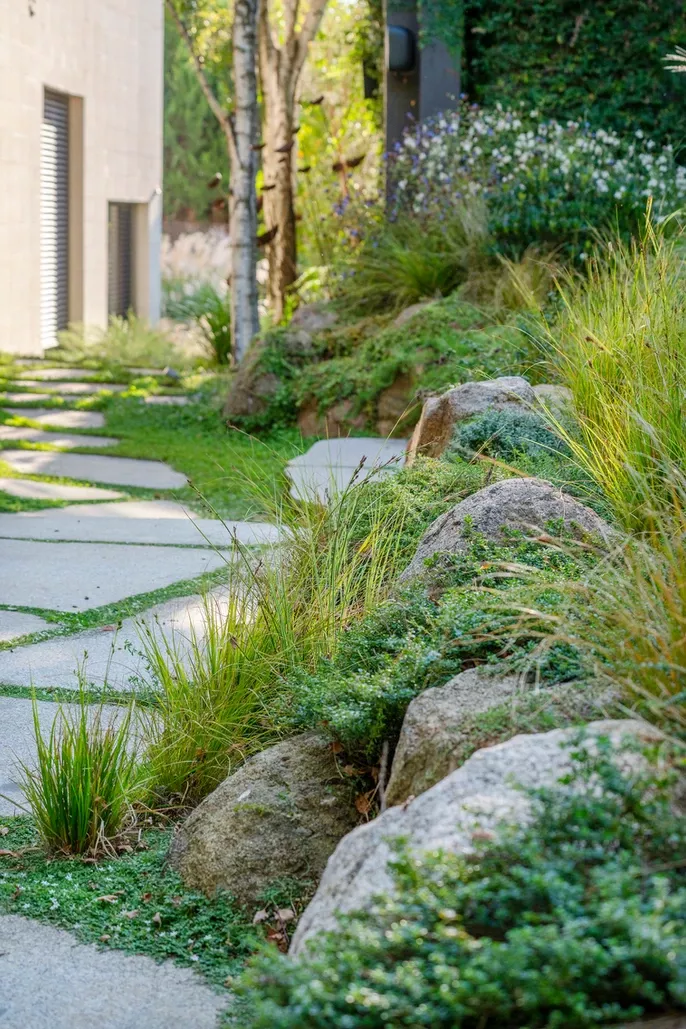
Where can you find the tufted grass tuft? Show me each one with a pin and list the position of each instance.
(85, 779)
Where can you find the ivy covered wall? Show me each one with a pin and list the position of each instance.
(578, 59)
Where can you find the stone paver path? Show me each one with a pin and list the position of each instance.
(76, 389)
(81, 576)
(14, 624)
(24, 398)
(111, 656)
(136, 521)
(37, 489)
(76, 559)
(51, 981)
(57, 374)
(330, 466)
(55, 439)
(62, 418)
(169, 401)
(115, 471)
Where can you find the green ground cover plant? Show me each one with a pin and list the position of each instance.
(423, 636)
(508, 435)
(132, 902)
(449, 341)
(574, 920)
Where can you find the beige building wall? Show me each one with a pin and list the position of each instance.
(107, 55)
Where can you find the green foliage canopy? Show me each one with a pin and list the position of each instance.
(578, 60)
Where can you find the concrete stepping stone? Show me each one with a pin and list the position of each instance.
(168, 401)
(81, 576)
(330, 466)
(115, 471)
(24, 398)
(34, 489)
(57, 374)
(62, 419)
(55, 439)
(135, 521)
(51, 981)
(348, 453)
(14, 624)
(18, 744)
(108, 656)
(66, 389)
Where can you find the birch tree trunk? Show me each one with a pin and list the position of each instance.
(240, 132)
(280, 68)
(243, 202)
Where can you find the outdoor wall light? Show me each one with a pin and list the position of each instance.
(401, 48)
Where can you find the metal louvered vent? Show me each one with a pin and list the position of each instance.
(120, 266)
(54, 217)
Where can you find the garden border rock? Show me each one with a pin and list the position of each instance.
(522, 504)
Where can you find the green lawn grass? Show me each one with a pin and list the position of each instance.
(223, 464)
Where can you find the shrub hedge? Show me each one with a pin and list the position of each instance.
(570, 59)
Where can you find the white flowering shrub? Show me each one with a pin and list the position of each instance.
(543, 180)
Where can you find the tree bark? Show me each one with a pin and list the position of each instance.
(280, 68)
(240, 132)
(243, 202)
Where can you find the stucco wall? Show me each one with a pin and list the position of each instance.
(110, 53)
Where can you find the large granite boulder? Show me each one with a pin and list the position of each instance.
(440, 414)
(557, 401)
(444, 725)
(279, 816)
(432, 736)
(528, 505)
(479, 797)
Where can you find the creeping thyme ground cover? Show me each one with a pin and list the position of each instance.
(545, 181)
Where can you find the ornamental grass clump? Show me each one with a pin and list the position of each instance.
(542, 180)
(85, 780)
(577, 920)
(619, 344)
(222, 689)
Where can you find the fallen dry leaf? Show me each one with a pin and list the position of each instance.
(259, 917)
(105, 937)
(157, 919)
(110, 898)
(146, 897)
(285, 914)
(3, 830)
(337, 748)
(363, 804)
(129, 914)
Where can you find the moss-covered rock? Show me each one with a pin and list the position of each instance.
(279, 816)
(367, 374)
